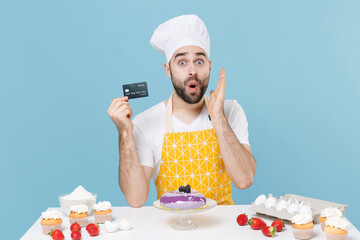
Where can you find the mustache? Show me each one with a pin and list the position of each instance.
(192, 79)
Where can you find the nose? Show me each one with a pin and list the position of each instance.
(192, 70)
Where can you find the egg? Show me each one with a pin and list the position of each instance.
(282, 204)
(305, 208)
(270, 202)
(110, 227)
(260, 200)
(124, 225)
(293, 208)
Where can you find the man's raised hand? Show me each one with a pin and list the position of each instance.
(217, 98)
(120, 112)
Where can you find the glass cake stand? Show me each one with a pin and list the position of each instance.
(184, 222)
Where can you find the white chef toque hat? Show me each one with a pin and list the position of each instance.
(185, 30)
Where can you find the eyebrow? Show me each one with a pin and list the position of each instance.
(185, 53)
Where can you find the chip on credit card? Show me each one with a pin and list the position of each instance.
(135, 90)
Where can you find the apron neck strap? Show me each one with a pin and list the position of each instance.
(169, 126)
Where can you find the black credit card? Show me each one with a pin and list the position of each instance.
(135, 90)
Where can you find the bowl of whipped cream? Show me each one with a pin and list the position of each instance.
(79, 196)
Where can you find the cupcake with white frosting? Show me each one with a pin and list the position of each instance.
(328, 213)
(336, 229)
(50, 220)
(302, 226)
(103, 212)
(79, 214)
(305, 208)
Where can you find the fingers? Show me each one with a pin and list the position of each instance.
(217, 97)
(123, 111)
(118, 108)
(116, 104)
(221, 83)
(220, 88)
(126, 98)
(116, 100)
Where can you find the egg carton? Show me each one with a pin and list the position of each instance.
(316, 206)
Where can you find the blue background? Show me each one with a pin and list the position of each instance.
(294, 66)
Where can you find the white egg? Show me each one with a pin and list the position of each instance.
(270, 202)
(305, 209)
(124, 225)
(282, 204)
(260, 200)
(293, 208)
(110, 227)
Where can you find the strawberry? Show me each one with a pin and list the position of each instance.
(75, 235)
(268, 231)
(90, 225)
(256, 223)
(242, 219)
(93, 229)
(278, 224)
(57, 235)
(75, 227)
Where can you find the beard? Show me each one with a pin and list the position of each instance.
(180, 89)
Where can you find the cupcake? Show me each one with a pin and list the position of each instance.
(328, 213)
(302, 226)
(103, 212)
(79, 214)
(336, 229)
(50, 220)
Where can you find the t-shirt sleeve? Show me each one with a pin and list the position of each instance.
(143, 142)
(237, 121)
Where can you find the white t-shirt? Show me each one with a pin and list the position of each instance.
(149, 130)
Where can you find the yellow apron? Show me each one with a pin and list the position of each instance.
(192, 158)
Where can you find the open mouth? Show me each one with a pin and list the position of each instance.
(192, 86)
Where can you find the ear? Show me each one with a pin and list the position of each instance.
(167, 70)
(210, 66)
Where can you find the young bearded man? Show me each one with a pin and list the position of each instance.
(189, 138)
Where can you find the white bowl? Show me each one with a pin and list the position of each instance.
(66, 204)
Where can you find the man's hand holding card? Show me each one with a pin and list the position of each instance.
(120, 111)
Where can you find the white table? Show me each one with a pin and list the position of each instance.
(152, 223)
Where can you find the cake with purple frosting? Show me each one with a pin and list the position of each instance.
(183, 199)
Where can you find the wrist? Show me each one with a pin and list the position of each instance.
(125, 133)
(218, 118)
